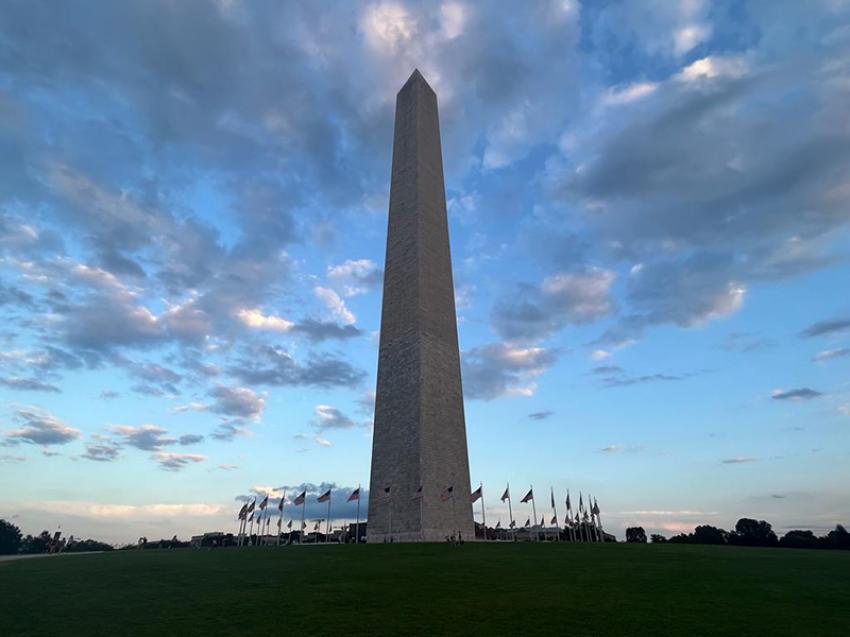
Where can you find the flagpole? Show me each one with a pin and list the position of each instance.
(390, 507)
(483, 516)
(280, 522)
(303, 512)
(510, 510)
(533, 505)
(357, 524)
(555, 513)
(328, 526)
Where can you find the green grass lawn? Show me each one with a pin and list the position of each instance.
(492, 589)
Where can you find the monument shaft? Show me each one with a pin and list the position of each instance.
(419, 434)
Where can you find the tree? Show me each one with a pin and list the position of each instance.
(657, 538)
(636, 534)
(749, 532)
(36, 543)
(838, 539)
(799, 540)
(10, 538)
(707, 534)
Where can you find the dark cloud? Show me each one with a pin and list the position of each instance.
(823, 328)
(565, 298)
(145, 437)
(607, 369)
(623, 379)
(503, 369)
(28, 384)
(541, 415)
(325, 330)
(177, 461)
(40, 427)
(269, 365)
(101, 452)
(329, 417)
(229, 429)
(800, 393)
(239, 402)
(190, 439)
(739, 460)
(108, 394)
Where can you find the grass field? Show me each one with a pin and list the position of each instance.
(506, 589)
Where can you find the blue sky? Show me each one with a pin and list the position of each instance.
(648, 208)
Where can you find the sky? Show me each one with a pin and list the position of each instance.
(650, 231)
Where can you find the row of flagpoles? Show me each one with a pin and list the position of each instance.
(584, 524)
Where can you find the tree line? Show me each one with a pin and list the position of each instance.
(749, 532)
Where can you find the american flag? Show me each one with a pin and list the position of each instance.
(318, 525)
(528, 496)
(499, 524)
(512, 525)
(243, 511)
(569, 506)
(447, 493)
(355, 495)
(595, 508)
(528, 522)
(552, 493)
(264, 503)
(301, 498)
(251, 506)
(251, 517)
(506, 495)
(418, 494)
(324, 497)
(282, 502)
(289, 524)
(475, 495)
(554, 520)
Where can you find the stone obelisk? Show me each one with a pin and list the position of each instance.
(420, 434)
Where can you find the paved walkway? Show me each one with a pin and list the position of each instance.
(9, 558)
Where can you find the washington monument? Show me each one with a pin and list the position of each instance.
(420, 434)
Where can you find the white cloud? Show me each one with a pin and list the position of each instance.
(323, 442)
(254, 318)
(387, 26)
(616, 96)
(687, 37)
(335, 304)
(712, 67)
(452, 19)
(355, 276)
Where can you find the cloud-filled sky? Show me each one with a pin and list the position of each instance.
(648, 207)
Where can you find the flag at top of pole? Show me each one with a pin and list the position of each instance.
(324, 497)
(264, 503)
(243, 511)
(355, 495)
(301, 498)
(475, 495)
(528, 496)
(251, 506)
(507, 494)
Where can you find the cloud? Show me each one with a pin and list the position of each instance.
(101, 452)
(541, 415)
(255, 319)
(28, 384)
(40, 427)
(565, 298)
(800, 393)
(240, 402)
(146, 437)
(823, 328)
(230, 429)
(269, 365)
(622, 379)
(329, 417)
(829, 354)
(611, 448)
(503, 369)
(335, 304)
(177, 461)
(325, 330)
(190, 439)
(322, 442)
(356, 276)
(739, 460)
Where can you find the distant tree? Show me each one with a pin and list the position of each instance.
(636, 535)
(10, 538)
(838, 538)
(36, 543)
(799, 540)
(681, 538)
(657, 538)
(707, 534)
(749, 532)
(88, 545)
